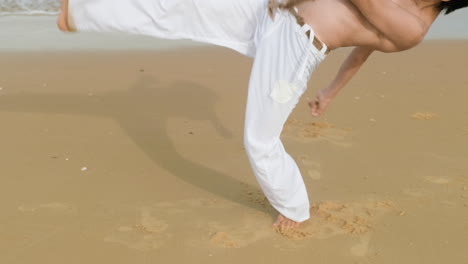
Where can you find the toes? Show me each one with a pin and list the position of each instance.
(279, 221)
(283, 222)
(290, 224)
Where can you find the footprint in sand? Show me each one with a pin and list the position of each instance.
(437, 179)
(247, 230)
(255, 196)
(329, 219)
(420, 195)
(316, 131)
(416, 192)
(229, 233)
(148, 233)
(312, 167)
(464, 196)
(465, 130)
(314, 174)
(223, 239)
(424, 116)
(50, 207)
(151, 231)
(362, 248)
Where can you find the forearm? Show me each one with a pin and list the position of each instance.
(348, 69)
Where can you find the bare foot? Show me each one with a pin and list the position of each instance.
(320, 103)
(62, 21)
(283, 222)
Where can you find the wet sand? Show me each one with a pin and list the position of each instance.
(137, 157)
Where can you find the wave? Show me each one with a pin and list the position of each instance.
(29, 7)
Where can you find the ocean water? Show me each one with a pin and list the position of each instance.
(453, 26)
(29, 7)
(30, 25)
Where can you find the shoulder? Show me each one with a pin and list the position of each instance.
(414, 33)
(401, 44)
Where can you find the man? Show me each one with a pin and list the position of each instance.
(288, 40)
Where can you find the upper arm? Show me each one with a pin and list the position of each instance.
(359, 55)
(399, 28)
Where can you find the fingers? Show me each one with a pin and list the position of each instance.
(315, 107)
(318, 105)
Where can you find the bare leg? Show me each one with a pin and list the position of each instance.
(63, 20)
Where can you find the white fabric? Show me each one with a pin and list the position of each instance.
(284, 59)
(228, 23)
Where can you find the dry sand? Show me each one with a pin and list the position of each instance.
(137, 157)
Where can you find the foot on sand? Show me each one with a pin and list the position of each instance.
(283, 222)
(63, 19)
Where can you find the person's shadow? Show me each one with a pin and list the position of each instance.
(143, 112)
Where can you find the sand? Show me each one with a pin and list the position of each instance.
(137, 157)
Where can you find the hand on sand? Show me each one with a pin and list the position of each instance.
(283, 222)
(319, 104)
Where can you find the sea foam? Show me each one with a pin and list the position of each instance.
(29, 7)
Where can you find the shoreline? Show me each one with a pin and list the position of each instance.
(187, 46)
(39, 33)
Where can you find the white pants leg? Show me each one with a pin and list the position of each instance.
(228, 23)
(284, 61)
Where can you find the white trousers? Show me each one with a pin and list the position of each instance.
(284, 59)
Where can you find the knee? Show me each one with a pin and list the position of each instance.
(251, 144)
(255, 153)
(257, 146)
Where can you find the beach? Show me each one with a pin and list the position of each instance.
(136, 156)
